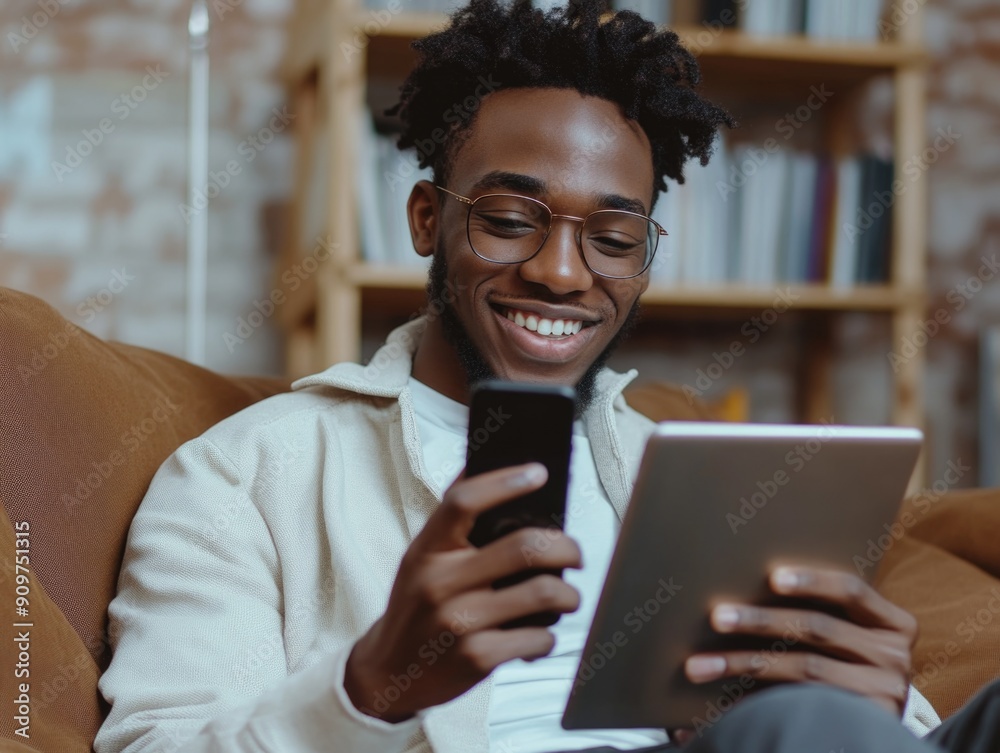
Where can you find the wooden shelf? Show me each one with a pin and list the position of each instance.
(829, 62)
(345, 60)
(724, 43)
(808, 297)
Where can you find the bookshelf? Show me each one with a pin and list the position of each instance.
(342, 59)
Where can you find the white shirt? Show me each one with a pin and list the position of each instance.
(529, 697)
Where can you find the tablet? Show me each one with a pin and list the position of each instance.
(714, 508)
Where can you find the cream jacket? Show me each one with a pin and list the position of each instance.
(266, 547)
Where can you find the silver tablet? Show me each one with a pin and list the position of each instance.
(715, 506)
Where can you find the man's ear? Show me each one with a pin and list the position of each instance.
(422, 210)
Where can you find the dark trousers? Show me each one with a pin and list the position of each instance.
(820, 719)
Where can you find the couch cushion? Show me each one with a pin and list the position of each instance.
(84, 424)
(65, 708)
(945, 570)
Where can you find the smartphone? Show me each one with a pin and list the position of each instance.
(511, 423)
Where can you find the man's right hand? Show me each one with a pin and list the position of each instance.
(440, 629)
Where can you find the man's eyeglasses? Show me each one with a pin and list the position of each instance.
(510, 229)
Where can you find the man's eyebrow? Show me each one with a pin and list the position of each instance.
(508, 181)
(617, 201)
(500, 179)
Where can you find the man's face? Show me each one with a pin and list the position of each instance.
(576, 154)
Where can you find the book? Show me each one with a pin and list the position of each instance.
(844, 251)
(875, 220)
(657, 11)
(793, 261)
(819, 237)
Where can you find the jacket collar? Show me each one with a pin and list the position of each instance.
(388, 372)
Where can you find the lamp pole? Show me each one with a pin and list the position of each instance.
(197, 221)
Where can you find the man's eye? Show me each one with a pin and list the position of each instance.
(507, 222)
(616, 245)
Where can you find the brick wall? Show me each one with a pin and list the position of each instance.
(74, 215)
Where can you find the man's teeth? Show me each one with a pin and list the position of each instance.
(548, 327)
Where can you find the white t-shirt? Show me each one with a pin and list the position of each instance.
(529, 697)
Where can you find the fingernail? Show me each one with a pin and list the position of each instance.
(533, 474)
(785, 579)
(725, 618)
(704, 668)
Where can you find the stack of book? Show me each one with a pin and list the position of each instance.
(757, 218)
(855, 20)
(386, 177)
(751, 216)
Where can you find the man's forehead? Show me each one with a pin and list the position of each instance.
(556, 136)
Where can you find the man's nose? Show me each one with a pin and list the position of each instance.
(559, 263)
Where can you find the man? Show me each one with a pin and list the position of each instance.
(298, 580)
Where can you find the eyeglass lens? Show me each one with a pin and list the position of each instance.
(510, 229)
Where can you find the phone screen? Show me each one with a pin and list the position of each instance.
(512, 423)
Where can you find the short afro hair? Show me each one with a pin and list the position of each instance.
(619, 57)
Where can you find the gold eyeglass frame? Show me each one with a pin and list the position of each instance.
(552, 215)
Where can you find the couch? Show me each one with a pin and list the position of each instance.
(84, 424)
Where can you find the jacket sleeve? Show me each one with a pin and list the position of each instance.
(199, 661)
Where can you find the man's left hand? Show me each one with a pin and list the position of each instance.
(867, 653)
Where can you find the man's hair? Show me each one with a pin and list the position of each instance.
(492, 45)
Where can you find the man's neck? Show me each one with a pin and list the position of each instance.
(437, 365)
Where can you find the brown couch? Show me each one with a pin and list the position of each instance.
(84, 424)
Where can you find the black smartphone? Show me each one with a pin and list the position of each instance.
(511, 423)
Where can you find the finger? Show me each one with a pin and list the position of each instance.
(542, 593)
(484, 651)
(834, 636)
(449, 526)
(526, 548)
(799, 667)
(863, 604)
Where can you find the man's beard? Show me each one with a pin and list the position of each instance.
(472, 361)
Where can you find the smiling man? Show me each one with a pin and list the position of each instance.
(298, 579)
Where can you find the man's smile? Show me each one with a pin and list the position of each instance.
(543, 333)
(543, 326)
